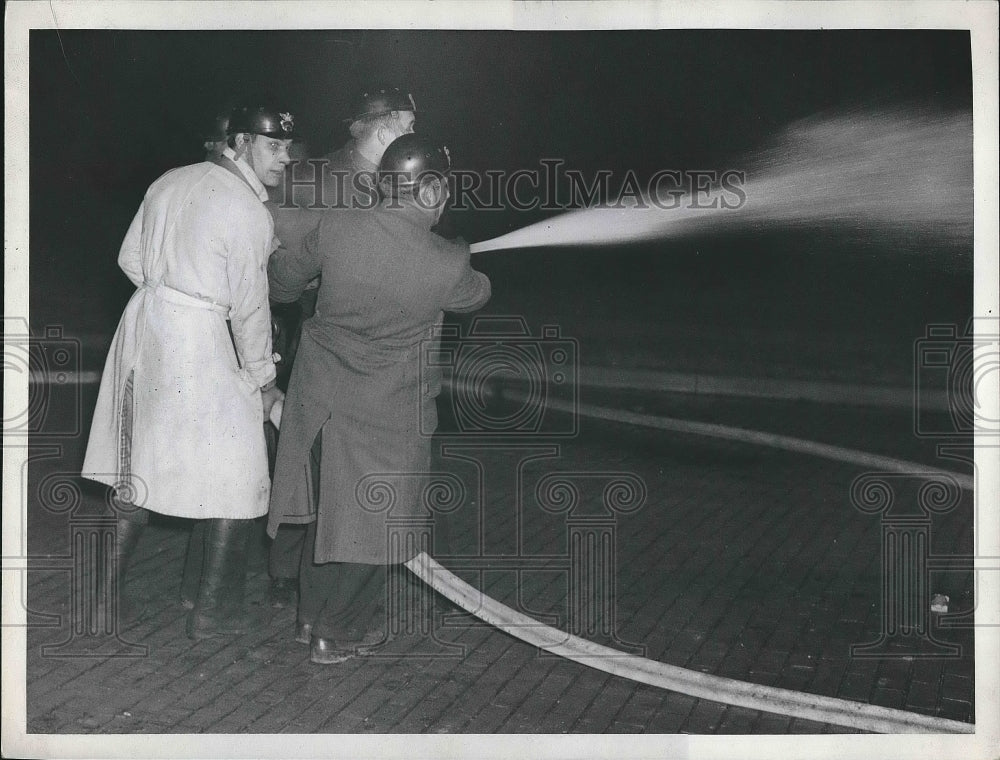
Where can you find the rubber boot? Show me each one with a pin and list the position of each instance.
(127, 534)
(193, 561)
(221, 608)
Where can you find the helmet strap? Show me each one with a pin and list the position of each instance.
(243, 149)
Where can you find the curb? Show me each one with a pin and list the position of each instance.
(764, 388)
(616, 378)
(613, 378)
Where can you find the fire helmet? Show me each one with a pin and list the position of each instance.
(261, 120)
(410, 159)
(215, 130)
(379, 101)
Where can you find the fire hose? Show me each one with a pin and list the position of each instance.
(841, 712)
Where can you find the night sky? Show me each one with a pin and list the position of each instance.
(111, 111)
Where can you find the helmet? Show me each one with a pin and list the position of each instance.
(379, 101)
(409, 158)
(215, 130)
(261, 120)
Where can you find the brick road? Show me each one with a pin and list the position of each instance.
(744, 562)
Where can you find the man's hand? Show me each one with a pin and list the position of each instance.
(268, 397)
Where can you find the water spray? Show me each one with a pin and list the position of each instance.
(898, 172)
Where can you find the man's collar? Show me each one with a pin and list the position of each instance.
(247, 173)
(411, 211)
(350, 153)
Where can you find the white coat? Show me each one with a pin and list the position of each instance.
(197, 250)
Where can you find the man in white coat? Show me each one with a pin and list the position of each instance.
(189, 379)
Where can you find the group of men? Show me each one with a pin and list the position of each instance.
(191, 376)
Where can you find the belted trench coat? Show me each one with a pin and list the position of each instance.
(178, 423)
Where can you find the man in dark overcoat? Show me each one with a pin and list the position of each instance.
(359, 404)
(376, 118)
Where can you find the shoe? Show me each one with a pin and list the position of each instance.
(303, 633)
(327, 652)
(369, 642)
(220, 609)
(282, 592)
(365, 646)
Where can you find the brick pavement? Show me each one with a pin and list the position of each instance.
(744, 562)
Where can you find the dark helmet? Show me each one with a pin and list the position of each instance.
(410, 158)
(261, 120)
(379, 101)
(215, 130)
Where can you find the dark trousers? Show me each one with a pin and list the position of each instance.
(340, 600)
(286, 552)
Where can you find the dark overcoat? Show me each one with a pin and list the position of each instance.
(342, 179)
(358, 381)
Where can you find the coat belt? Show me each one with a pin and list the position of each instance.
(179, 297)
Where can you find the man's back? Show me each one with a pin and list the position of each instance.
(200, 225)
(386, 278)
(349, 179)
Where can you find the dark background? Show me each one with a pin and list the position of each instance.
(112, 110)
